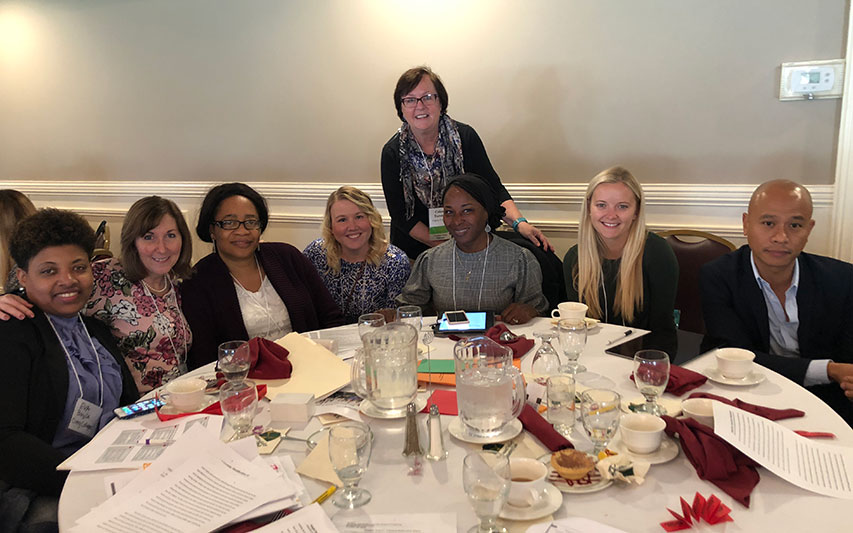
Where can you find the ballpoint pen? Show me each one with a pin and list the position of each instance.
(620, 337)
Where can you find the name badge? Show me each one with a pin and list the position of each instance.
(85, 418)
(437, 230)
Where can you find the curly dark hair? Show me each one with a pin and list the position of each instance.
(50, 227)
(219, 194)
(410, 79)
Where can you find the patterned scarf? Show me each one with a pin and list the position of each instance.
(426, 175)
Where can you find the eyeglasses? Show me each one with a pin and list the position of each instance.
(232, 224)
(427, 99)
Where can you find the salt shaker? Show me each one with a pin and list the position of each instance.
(437, 452)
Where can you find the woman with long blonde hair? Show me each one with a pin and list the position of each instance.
(361, 270)
(624, 273)
(14, 207)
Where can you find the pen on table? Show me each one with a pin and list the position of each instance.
(620, 337)
(325, 496)
(154, 442)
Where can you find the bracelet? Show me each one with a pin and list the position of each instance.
(518, 221)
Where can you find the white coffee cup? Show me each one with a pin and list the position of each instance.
(699, 409)
(642, 433)
(574, 310)
(186, 394)
(734, 363)
(528, 481)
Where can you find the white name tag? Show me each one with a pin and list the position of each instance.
(437, 231)
(85, 418)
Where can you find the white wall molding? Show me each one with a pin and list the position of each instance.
(841, 234)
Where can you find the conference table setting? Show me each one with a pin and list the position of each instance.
(537, 427)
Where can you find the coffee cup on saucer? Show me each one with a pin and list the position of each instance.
(528, 481)
(699, 409)
(734, 363)
(573, 310)
(185, 395)
(641, 433)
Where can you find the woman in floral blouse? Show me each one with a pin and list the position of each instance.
(137, 296)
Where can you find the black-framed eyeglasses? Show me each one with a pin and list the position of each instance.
(231, 224)
(427, 99)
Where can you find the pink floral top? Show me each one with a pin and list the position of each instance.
(150, 330)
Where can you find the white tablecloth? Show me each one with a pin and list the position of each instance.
(775, 505)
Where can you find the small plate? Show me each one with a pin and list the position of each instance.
(591, 323)
(551, 502)
(367, 408)
(592, 482)
(753, 378)
(672, 405)
(207, 401)
(667, 452)
(510, 431)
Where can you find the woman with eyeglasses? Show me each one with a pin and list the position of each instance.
(419, 160)
(246, 288)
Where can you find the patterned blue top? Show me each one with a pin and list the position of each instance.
(376, 289)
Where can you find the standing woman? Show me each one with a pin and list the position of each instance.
(361, 270)
(14, 207)
(246, 288)
(419, 160)
(624, 273)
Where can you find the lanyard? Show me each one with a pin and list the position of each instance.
(163, 319)
(70, 362)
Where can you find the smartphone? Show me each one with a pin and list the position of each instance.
(455, 318)
(138, 408)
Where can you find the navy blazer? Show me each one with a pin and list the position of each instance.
(33, 394)
(736, 314)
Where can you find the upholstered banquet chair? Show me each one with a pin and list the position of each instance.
(697, 249)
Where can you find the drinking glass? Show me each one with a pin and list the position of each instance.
(350, 444)
(561, 403)
(367, 322)
(651, 374)
(410, 314)
(600, 414)
(572, 341)
(486, 479)
(234, 360)
(239, 400)
(546, 361)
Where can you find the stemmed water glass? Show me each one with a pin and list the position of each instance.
(234, 360)
(600, 414)
(350, 445)
(560, 391)
(410, 314)
(651, 374)
(546, 361)
(367, 322)
(239, 401)
(486, 479)
(572, 342)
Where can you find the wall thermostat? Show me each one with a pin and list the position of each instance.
(811, 80)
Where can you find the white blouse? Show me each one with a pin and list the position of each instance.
(264, 313)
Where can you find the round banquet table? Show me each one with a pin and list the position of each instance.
(775, 503)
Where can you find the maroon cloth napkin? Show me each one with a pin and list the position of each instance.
(542, 429)
(767, 412)
(520, 346)
(714, 459)
(682, 380)
(269, 360)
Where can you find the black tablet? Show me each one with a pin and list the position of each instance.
(478, 322)
(689, 347)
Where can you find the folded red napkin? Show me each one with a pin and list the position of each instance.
(269, 360)
(445, 400)
(682, 380)
(767, 412)
(212, 409)
(714, 459)
(520, 345)
(542, 429)
(711, 510)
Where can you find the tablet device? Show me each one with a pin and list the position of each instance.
(478, 322)
(689, 347)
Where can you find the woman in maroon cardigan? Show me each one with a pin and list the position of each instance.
(246, 288)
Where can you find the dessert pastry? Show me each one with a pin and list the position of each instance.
(571, 464)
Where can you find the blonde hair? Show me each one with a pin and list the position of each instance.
(586, 275)
(377, 242)
(14, 207)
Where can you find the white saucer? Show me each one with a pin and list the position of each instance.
(367, 408)
(510, 431)
(207, 401)
(672, 405)
(667, 452)
(551, 502)
(753, 378)
(592, 482)
(591, 323)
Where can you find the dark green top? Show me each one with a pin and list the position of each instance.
(660, 283)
